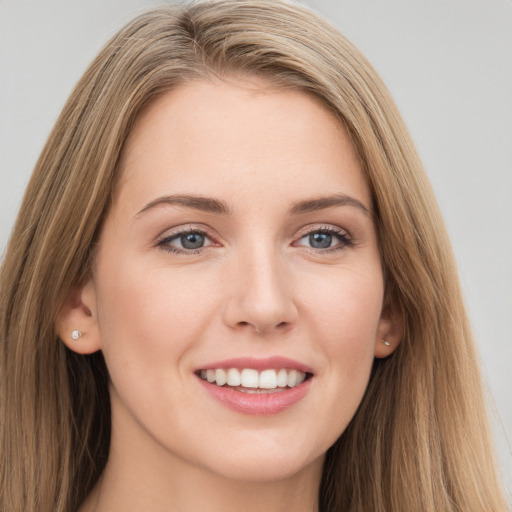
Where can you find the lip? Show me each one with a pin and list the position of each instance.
(274, 362)
(258, 404)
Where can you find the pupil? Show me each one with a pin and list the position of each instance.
(192, 241)
(320, 240)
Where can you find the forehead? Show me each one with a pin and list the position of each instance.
(243, 137)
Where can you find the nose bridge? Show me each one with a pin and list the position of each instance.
(262, 293)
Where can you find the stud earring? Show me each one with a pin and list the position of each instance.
(386, 343)
(76, 335)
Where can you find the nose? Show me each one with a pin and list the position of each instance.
(261, 295)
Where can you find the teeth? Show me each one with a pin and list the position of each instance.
(268, 379)
(301, 376)
(282, 378)
(252, 379)
(220, 377)
(234, 377)
(249, 378)
(292, 378)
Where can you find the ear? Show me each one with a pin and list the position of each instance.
(390, 330)
(78, 314)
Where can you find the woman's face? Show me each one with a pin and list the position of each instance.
(240, 245)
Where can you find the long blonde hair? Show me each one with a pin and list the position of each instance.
(419, 441)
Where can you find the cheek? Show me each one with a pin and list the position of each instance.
(343, 318)
(149, 326)
(148, 315)
(346, 306)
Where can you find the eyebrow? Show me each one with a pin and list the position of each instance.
(204, 204)
(322, 203)
(216, 206)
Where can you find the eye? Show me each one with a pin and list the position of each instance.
(320, 240)
(186, 241)
(325, 239)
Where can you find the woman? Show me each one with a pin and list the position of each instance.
(229, 274)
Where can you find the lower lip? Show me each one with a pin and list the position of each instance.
(258, 404)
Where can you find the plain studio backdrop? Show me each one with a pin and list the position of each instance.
(448, 64)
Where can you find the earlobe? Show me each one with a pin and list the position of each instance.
(390, 331)
(76, 322)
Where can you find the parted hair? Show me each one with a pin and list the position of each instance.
(419, 440)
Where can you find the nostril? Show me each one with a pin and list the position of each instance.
(261, 329)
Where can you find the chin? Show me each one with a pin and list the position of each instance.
(265, 462)
(266, 469)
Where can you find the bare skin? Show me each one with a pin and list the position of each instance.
(281, 260)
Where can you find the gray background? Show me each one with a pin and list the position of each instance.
(448, 63)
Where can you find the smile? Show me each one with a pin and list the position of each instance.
(250, 380)
(256, 386)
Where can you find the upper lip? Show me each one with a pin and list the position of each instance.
(266, 363)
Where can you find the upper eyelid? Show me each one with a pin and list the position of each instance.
(165, 239)
(171, 234)
(214, 237)
(192, 227)
(331, 228)
(344, 236)
(185, 228)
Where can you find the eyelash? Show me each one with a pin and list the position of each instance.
(165, 241)
(344, 238)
